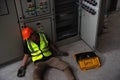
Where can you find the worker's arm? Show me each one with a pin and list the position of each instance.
(25, 59)
(22, 69)
(26, 54)
(57, 51)
(53, 47)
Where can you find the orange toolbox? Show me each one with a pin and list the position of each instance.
(87, 60)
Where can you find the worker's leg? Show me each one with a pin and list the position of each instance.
(39, 71)
(61, 65)
(69, 73)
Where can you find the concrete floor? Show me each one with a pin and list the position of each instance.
(108, 51)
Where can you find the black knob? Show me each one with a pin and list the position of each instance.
(93, 12)
(94, 3)
(38, 23)
(29, 0)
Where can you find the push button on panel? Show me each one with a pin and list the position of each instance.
(92, 2)
(88, 9)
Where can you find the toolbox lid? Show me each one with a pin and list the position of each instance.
(84, 55)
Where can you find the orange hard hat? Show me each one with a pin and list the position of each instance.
(26, 32)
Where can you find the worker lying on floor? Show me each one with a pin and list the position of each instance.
(41, 51)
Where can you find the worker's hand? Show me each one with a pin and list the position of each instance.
(62, 53)
(21, 71)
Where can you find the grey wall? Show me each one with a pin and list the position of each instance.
(10, 37)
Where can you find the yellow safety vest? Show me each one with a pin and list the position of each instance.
(41, 51)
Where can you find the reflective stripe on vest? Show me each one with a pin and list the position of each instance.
(38, 52)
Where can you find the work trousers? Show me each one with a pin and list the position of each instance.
(54, 62)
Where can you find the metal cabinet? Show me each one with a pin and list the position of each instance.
(77, 19)
(72, 20)
(11, 47)
(34, 12)
(64, 21)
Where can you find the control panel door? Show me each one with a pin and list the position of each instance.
(90, 10)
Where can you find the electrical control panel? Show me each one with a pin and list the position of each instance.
(31, 8)
(42, 6)
(90, 6)
(37, 14)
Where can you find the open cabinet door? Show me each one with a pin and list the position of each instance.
(90, 10)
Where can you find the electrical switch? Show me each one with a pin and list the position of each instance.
(88, 9)
(92, 2)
